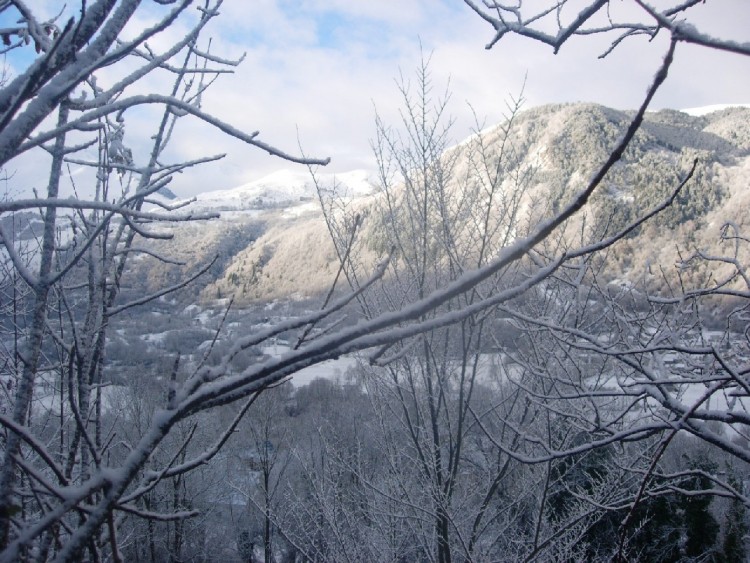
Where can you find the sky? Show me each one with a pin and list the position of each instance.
(314, 73)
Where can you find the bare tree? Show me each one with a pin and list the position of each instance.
(556, 23)
(261, 460)
(453, 418)
(443, 211)
(98, 234)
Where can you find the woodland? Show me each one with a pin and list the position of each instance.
(504, 391)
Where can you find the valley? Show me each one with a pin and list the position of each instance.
(243, 321)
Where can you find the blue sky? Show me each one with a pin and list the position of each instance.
(315, 70)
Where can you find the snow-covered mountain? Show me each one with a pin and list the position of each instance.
(272, 242)
(282, 189)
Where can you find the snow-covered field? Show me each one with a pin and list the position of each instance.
(334, 370)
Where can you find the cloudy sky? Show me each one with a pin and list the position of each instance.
(315, 70)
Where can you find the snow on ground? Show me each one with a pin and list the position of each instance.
(46, 400)
(204, 317)
(302, 209)
(155, 338)
(330, 369)
(356, 182)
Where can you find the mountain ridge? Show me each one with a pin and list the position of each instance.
(279, 247)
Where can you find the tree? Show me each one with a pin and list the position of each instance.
(266, 454)
(534, 22)
(104, 230)
(61, 501)
(446, 411)
(441, 221)
(594, 359)
(327, 511)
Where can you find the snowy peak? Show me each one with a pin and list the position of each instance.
(279, 189)
(283, 189)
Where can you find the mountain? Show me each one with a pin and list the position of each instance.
(272, 242)
(283, 189)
